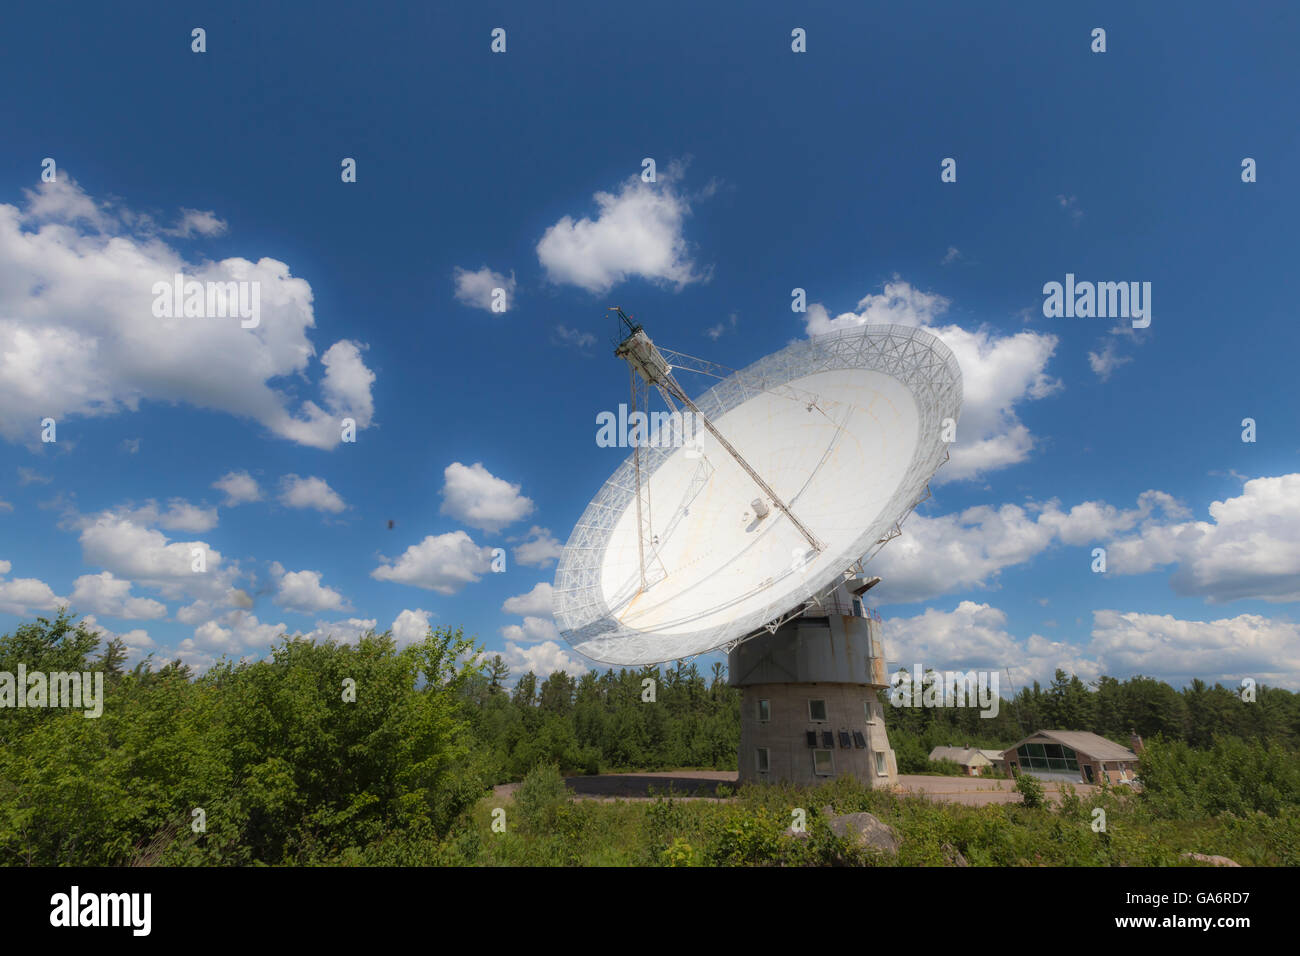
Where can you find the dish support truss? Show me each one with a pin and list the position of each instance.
(913, 356)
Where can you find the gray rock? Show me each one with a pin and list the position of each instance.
(865, 830)
(953, 856)
(1212, 860)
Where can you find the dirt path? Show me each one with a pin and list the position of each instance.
(703, 785)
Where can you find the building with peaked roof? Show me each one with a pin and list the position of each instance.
(1073, 756)
(972, 760)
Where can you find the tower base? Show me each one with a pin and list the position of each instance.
(815, 675)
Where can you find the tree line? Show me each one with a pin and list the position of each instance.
(643, 719)
(323, 750)
(1111, 708)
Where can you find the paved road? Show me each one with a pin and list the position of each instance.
(703, 784)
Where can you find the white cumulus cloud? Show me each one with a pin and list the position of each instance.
(310, 493)
(443, 563)
(973, 636)
(474, 496)
(349, 631)
(1249, 549)
(476, 289)
(148, 558)
(76, 308)
(240, 487)
(637, 233)
(543, 659)
(532, 629)
(197, 222)
(107, 595)
(535, 602)
(967, 549)
(1226, 650)
(999, 372)
(25, 595)
(411, 626)
(303, 592)
(539, 549)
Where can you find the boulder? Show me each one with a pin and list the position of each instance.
(952, 856)
(865, 830)
(1212, 860)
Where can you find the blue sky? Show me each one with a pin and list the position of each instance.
(776, 170)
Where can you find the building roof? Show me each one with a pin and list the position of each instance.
(993, 755)
(1081, 741)
(966, 756)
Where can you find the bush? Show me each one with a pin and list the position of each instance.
(540, 797)
(1235, 776)
(741, 836)
(678, 853)
(1030, 790)
(284, 766)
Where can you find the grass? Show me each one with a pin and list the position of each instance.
(751, 830)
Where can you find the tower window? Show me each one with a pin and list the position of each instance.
(845, 742)
(882, 768)
(828, 739)
(824, 762)
(817, 711)
(859, 741)
(764, 711)
(761, 759)
(812, 738)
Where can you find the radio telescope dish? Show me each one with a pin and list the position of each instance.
(770, 486)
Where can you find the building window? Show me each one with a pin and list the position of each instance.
(812, 738)
(828, 739)
(824, 762)
(764, 711)
(882, 768)
(857, 607)
(859, 740)
(761, 759)
(817, 711)
(866, 709)
(845, 742)
(1048, 757)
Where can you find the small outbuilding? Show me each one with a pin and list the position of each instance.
(1073, 756)
(971, 759)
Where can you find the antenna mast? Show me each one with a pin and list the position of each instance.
(647, 362)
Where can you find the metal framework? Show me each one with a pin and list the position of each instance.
(649, 364)
(914, 357)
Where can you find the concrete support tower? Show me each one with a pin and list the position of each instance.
(811, 710)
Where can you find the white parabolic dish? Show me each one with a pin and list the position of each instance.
(849, 469)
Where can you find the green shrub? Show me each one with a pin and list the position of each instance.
(678, 853)
(283, 766)
(740, 836)
(540, 797)
(1030, 790)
